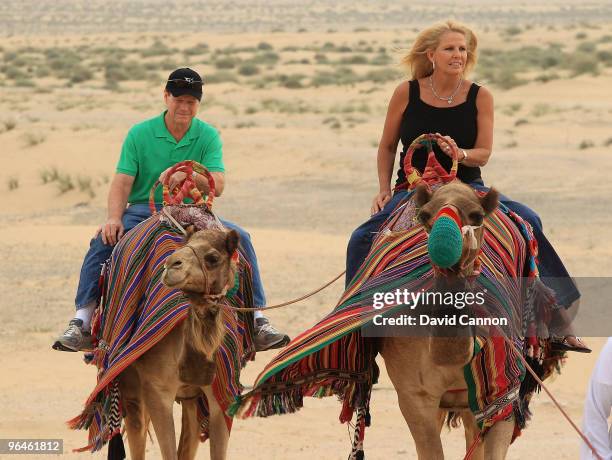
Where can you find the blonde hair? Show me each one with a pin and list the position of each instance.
(417, 61)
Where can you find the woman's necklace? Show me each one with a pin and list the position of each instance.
(448, 99)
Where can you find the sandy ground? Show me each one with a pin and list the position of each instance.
(299, 188)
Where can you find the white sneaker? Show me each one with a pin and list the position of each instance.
(267, 337)
(74, 338)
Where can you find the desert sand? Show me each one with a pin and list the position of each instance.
(300, 177)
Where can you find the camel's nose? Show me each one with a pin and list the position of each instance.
(173, 262)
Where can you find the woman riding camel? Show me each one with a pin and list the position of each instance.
(439, 99)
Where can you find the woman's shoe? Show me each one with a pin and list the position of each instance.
(563, 344)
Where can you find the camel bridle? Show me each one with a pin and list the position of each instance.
(214, 298)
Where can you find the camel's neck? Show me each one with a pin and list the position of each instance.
(450, 343)
(204, 327)
(451, 351)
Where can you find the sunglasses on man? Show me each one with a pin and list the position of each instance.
(186, 83)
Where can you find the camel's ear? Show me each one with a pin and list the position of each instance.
(489, 201)
(424, 215)
(422, 195)
(231, 241)
(190, 230)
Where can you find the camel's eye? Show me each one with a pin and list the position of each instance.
(476, 218)
(211, 259)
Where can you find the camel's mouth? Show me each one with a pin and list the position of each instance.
(445, 241)
(453, 244)
(466, 259)
(173, 278)
(177, 271)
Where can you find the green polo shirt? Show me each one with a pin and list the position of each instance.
(149, 149)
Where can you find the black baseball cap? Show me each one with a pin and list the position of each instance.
(185, 81)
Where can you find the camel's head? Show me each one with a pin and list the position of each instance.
(453, 216)
(205, 264)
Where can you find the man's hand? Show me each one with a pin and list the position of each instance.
(111, 231)
(162, 176)
(380, 201)
(200, 180)
(175, 179)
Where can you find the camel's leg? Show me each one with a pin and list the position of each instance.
(159, 399)
(471, 433)
(219, 434)
(420, 409)
(497, 440)
(190, 430)
(136, 419)
(421, 413)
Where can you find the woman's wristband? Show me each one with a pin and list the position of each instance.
(465, 155)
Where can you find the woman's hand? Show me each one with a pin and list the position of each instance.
(380, 201)
(448, 150)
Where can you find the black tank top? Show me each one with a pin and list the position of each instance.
(458, 122)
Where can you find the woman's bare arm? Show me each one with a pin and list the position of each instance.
(479, 155)
(387, 148)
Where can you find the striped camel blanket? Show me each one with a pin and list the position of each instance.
(334, 358)
(137, 311)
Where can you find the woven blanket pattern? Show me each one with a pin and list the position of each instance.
(333, 357)
(138, 311)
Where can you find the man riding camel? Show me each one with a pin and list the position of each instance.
(149, 150)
